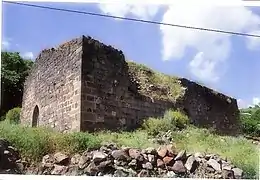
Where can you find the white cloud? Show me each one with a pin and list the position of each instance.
(212, 48)
(203, 68)
(256, 101)
(27, 55)
(242, 104)
(143, 11)
(5, 45)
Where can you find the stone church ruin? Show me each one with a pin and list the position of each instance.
(84, 85)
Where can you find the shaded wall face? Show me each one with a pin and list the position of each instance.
(109, 99)
(54, 86)
(207, 108)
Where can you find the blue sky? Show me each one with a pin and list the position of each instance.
(228, 64)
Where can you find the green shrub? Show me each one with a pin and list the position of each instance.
(171, 120)
(251, 123)
(177, 118)
(153, 126)
(13, 116)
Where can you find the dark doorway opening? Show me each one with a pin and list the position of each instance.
(35, 117)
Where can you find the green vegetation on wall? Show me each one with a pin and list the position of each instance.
(155, 84)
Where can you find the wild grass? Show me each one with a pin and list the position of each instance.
(167, 87)
(238, 150)
(34, 143)
(136, 139)
(172, 120)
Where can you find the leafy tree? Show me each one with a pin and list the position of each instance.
(14, 70)
(251, 123)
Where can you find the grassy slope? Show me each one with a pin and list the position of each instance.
(34, 143)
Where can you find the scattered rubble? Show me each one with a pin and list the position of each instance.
(112, 161)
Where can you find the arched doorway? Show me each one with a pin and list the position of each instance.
(35, 116)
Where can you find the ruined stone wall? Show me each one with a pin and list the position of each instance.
(54, 86)
(109, 97)
(84, 85)
(209, 108)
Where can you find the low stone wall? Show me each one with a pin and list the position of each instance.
(113, 161)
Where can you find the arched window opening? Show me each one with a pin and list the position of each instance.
(35, 118)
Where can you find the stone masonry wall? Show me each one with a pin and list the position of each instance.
(110, 99)
(84, 85)
(54, 86)
(209, 108)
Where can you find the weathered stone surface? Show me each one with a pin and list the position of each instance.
(91, 169)
(61, 158)
(120, 155)
(162, 151)
(228, 174)
(160, 163)
(151, 158)
(191, 163)
(181, 155)
(99, 156)
(136, 154)
(83, 160)
(104, 164)
(84, 85)
(147, 165)
(214, 164)
(8, 158)
(168, 160)
(238, 173)
(133, 162)
(59, 170)
(178, 167)
(75, 159)
(226, 165)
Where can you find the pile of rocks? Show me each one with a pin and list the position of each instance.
(9, 158)
(110, 160)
